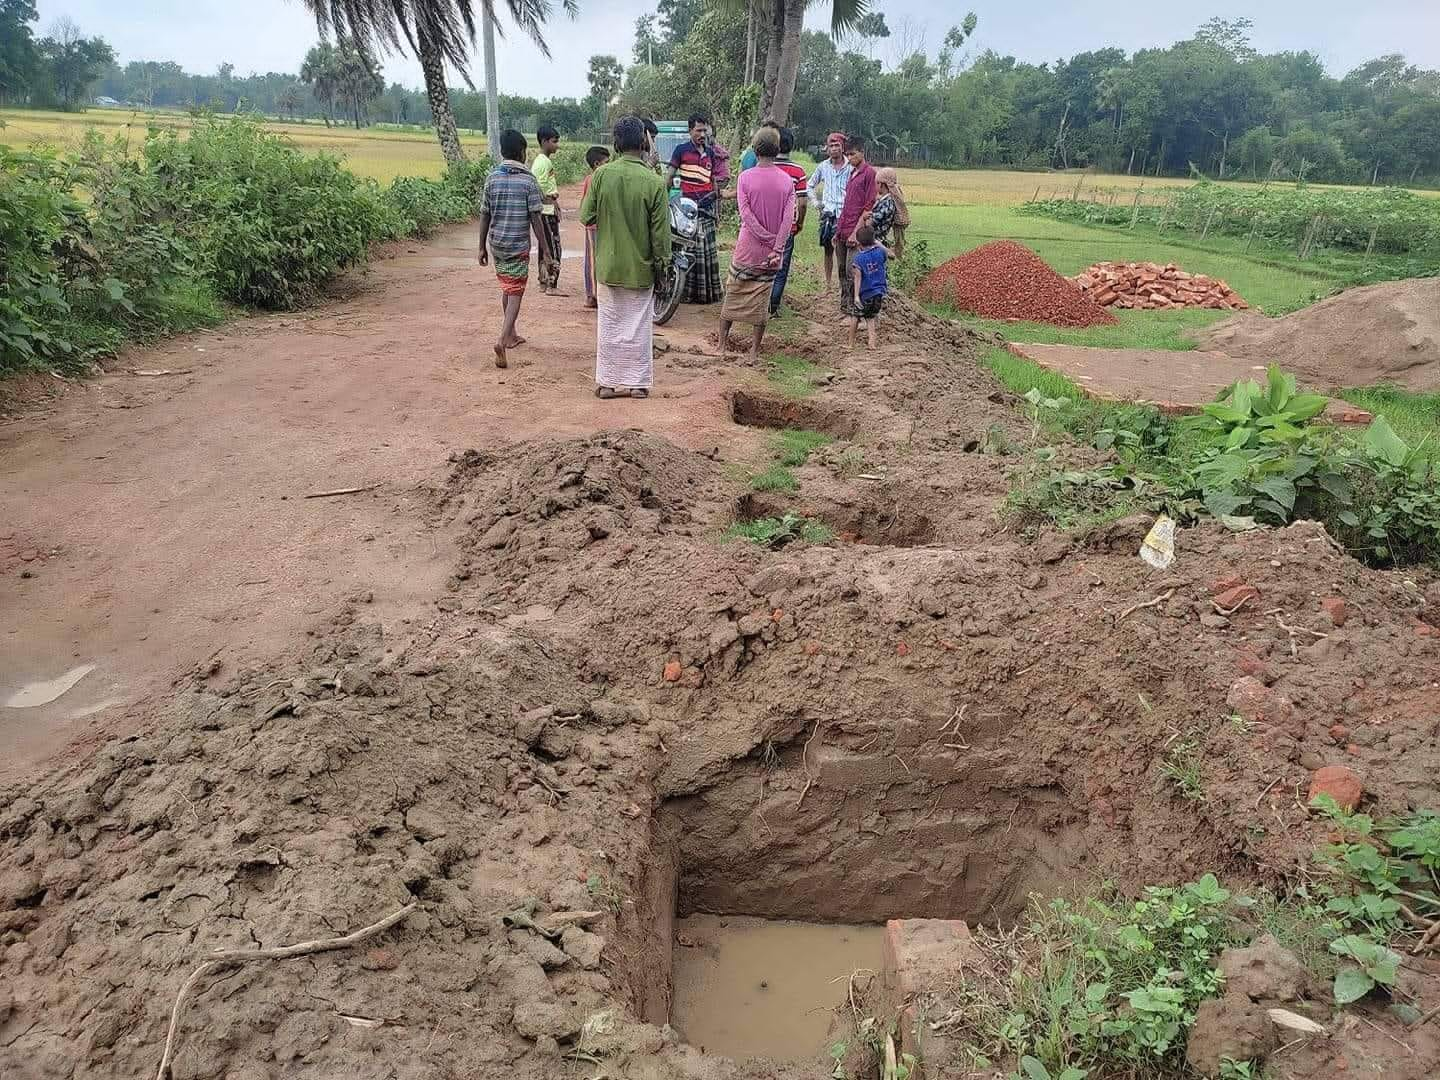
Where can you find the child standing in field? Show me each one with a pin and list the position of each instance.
(594, 158)
(544, 170)
(869, 280)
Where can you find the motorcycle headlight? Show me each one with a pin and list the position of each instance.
(685, 217)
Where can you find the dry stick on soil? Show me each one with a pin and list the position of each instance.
(1427, 1017)
(227, 957)
(1294, 630)
(1269, 788)
(341, 491)
(803, 751)
(1146, 604)
(1227, 612)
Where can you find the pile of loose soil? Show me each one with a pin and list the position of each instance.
(1386, 333)
(1148, 286)
(608, 709)
(1006, 280)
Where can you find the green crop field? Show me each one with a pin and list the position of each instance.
(382, 153)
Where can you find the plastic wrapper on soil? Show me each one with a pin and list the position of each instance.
(1006, 280)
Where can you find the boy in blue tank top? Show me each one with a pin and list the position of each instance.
(869, 278)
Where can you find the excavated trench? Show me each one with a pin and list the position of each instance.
(765, 889)
(767, 411)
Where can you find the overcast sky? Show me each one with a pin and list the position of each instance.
(273, 35)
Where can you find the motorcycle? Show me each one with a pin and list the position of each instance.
(684, 236)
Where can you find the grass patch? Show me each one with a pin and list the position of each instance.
(776, 532)
(1415, 417)
(795, 445)
(1168, 330)
(776, 477)
(1020, 376)
(793, 376)
(791, 447)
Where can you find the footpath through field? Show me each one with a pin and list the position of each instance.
(153, 523)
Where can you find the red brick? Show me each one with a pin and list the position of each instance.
(1336, 608)
(1249, 663)
(1340, 783)
(1231, 599)
(920, 956)
(1225, 584)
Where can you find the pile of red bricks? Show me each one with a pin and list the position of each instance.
(1150, 287)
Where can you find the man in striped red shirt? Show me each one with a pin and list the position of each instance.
(694, 164)
(802, 186)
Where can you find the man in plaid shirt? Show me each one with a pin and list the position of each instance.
(509, 214)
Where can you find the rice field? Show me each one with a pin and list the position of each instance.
(384, 152)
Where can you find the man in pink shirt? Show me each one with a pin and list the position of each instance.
(765, 196)
(860, 194)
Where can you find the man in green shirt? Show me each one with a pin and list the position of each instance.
(544, 170)
(628, 208)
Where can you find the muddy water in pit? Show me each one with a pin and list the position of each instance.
(747, 987)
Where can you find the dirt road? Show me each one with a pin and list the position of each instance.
(152, 523)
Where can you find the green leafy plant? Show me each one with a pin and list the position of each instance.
(777, 532)
(1380, 870)
(1135, 432)
(1230, 1069)
(1372, 965)
(1397, 513)
(1034, 1069)
(1250, 416)
(912, 267)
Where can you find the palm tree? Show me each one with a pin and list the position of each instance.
(530, 16)
(782, 57)
(439, 32)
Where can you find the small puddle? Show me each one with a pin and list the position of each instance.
(746, 987)
(42, 693)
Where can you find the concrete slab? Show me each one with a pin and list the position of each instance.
(1177, 382)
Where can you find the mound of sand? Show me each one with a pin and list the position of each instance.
(1386, 333)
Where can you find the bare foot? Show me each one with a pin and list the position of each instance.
(500, 359)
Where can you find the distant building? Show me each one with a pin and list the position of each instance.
(106, 101)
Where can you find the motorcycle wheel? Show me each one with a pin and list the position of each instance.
(667, 299)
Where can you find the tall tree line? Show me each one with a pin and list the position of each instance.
(1209, 104)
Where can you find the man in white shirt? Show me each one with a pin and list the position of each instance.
(830, 178)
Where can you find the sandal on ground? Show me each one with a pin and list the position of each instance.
(639, 393)
(608, 393)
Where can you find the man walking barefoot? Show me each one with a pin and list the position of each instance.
(509, 213)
